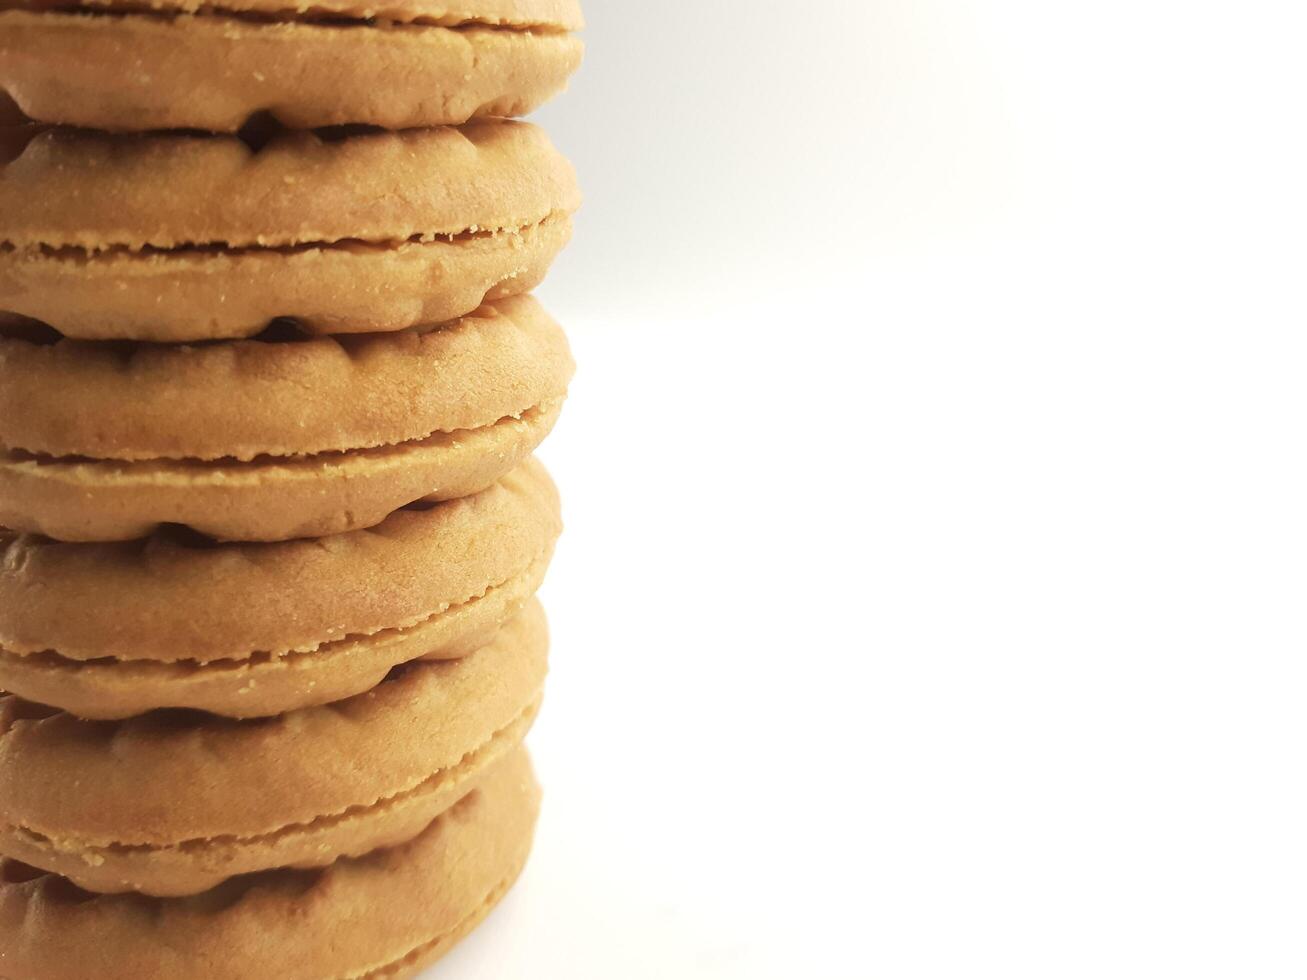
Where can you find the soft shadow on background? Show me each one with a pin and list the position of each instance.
(930, 604)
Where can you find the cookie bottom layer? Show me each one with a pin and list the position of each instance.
(429, 952)
(172, 805)
(186, 295)
(387, 914)
(107, 689)
(272, 500)
(176, 597)
(201, 865)
(83, 70)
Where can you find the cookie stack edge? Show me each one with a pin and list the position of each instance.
(271, 378)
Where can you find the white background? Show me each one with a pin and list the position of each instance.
(932, 604)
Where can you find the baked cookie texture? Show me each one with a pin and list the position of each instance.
(120, 66)
(172, 238)
(273, 439)
(562, 15)
(248, 630)
(280, 397)
(271, 529)
(173, 804)
(386, 914)
(164, 191)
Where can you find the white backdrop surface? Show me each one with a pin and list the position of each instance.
(932, 601)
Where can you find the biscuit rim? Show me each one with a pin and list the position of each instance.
(174, 871)
(83, 68)
(559, 15)
(265, 501)
(242, 400)
(181, 296)
(461, 864)
(140, 825)
(170, 598)
(109, 689)
(181, 191)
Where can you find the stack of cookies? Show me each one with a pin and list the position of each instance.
(270, 527)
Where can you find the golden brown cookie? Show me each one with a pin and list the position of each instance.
(247, 630)
(280, 397)
(176, 237)
(269, 500)
(271, 439)
(173, 803)
(127, 65)
(387, 914)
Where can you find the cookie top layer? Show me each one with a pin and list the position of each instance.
(270, 498)
(95, 191)
(250, 398)
(86, 784)
(557, 15)
(199, 294)
(174, 597)
(260, 687)
(287, 923)
(405, 65)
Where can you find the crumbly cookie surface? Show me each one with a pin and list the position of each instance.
(280, 397)
(433, 889)
(173, 597)
(174, 805)
(120, 68)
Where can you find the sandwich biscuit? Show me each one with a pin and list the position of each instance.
(387, 914)
(127, 65)
(174, 803)
(172, 238)
(248, 630)
(271, 439)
